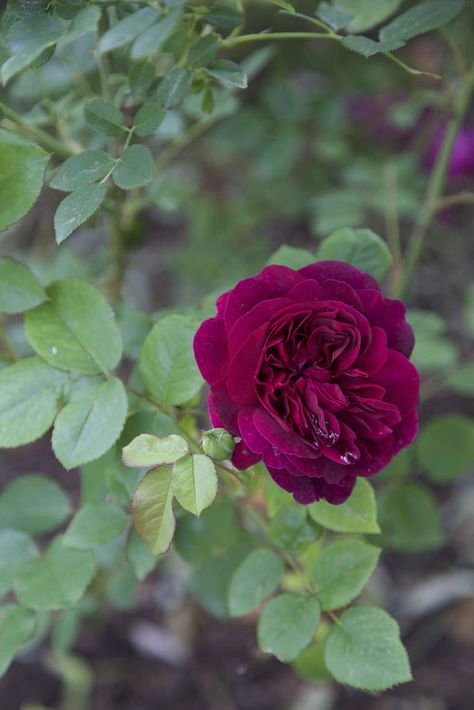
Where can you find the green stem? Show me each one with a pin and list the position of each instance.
(263, 36)
(47, 141)
(435, 185)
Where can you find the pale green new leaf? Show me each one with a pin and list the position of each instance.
(148, 451)
(195, 482)
(153, 517)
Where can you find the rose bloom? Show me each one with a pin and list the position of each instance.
(310, 370)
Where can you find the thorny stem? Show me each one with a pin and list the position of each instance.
(435, 185)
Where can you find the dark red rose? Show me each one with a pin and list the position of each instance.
(310, 369)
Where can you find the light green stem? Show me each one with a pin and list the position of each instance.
(435, 185)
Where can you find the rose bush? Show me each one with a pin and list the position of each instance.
(310, 370)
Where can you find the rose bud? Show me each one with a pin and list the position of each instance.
(310, 370)
(218, 444)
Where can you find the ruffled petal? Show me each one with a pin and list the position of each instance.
(339, 271)
(210, 349)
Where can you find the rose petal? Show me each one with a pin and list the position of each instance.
(260, 314)
(243, 366)
(400, 380)
(273, 282)
(339, 271)
(210, 349)
(285, 441)
(309, 490)
(389, 314)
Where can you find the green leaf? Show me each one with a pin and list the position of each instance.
(291, 530)
(81, 170)
(76, 208)
(153, 517)
(21, 176)
(409, 518)
(368, 47)
(432, 351)
(364, 650)
(227, 73)
(174, 87)
(445, 447)
(95, 525)
(462, 381)
(15, 547)
(20, 290)
(293, 257)
(84, 22)
(167, 363)
(76, 329)
(335, 209)
(29, 40)
(194, 482)
(17, 625)
(335, 17)
(140, 77)
(360, 247)
(204, 51)
(287, 625)
(224, 16)
(310, 664)
(254, 580)
(29, 393)
(148, 119)
(141, 560)
(151, 41)
(56, 581)
(358, 514)
(422, 18)
(198, 539)
(148, 451)
(91, 422)
(33, 504)
(135, 168)
(104, 117)
(342, 570)
(367, 13)
(127, 29)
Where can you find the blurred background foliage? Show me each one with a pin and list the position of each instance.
(321, 139)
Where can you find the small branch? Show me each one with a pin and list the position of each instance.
(47, 141)
(435, 185)
(263, 36)
(460, 198)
